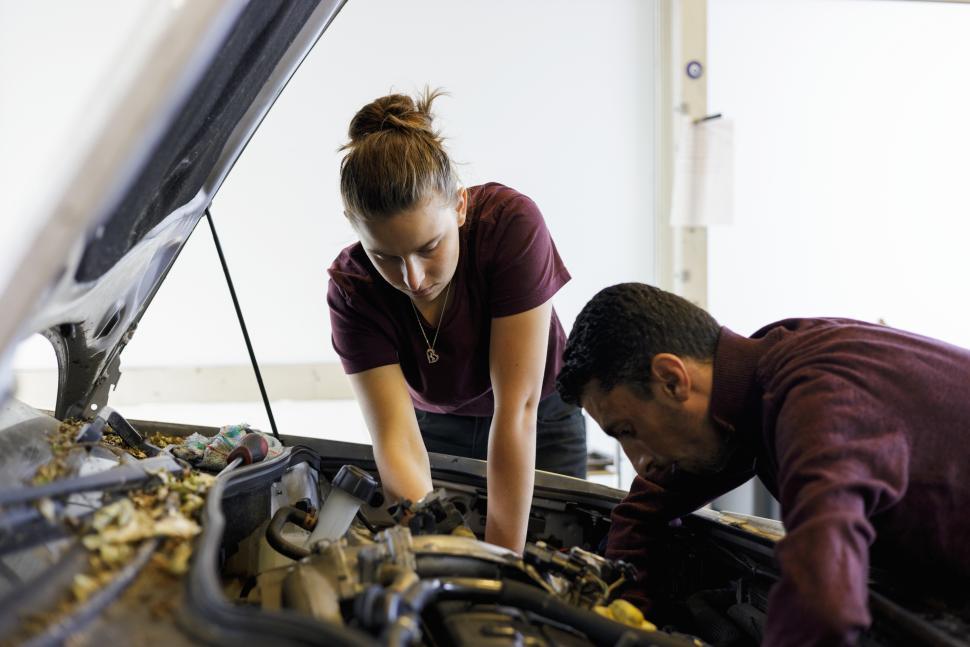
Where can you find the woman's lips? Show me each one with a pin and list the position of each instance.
(423, 292)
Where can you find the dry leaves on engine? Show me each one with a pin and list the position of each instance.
(168, 510)
(61, 444)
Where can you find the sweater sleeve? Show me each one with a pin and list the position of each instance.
(841, 460)
(638, 522)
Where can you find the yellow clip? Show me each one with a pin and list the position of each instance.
(623, 612)
(463, 531)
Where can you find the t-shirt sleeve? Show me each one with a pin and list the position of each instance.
(524, 267)
(356, 333)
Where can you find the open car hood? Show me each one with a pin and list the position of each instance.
(132, 200)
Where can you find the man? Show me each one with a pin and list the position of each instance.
(859, 430)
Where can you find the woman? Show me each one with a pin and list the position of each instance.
(442, 318)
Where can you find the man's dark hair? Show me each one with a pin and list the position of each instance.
(620, 330)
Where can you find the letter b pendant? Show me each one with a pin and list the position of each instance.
(432, 356)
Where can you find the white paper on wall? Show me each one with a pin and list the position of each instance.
(703, 191)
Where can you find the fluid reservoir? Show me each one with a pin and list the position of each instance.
(350, 488)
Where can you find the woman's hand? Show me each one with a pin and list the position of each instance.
(402, 459)
(517, 357)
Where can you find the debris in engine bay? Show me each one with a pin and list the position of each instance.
(162, 440)
(61, 444)
(158, 439)
(112, 439)
(168, 509)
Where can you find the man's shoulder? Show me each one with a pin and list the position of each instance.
(816, 325)
(856, 356)
(850, 335)
(803, 341)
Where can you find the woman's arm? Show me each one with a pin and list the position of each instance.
(517, 357)
(398, 447)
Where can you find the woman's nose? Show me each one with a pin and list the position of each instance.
(413, 274)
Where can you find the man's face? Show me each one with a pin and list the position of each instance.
(667, 433)
(416, 251)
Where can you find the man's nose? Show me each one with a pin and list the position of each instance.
(642, 464)
(638, 460)
(413, 274)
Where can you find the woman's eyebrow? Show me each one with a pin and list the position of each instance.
(426, 245)
(430, 242)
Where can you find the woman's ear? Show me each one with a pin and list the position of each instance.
(671, 373)
(462, 206)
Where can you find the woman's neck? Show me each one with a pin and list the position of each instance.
(432, 311)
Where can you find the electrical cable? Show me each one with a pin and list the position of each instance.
(242, 324)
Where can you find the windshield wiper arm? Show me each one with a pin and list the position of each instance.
(122, 477)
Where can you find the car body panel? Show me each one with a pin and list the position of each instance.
(139, 193)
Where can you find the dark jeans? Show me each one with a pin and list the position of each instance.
(560, 436)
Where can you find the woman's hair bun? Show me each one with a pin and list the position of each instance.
(394, 112)
(394, 158)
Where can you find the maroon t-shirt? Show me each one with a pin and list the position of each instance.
(861, 432)
(507, 264)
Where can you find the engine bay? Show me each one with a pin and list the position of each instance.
(305, 548)
(336, 550)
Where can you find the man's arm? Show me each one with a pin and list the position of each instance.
(840, 463)
(517, 360)
(639, 520)
(402, 459)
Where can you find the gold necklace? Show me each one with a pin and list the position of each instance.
(431, 354)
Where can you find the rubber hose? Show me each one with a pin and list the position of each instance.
(713, 625)
(454, 566)
(600, 630)
(274, 532)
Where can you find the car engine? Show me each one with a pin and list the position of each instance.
(336, 551)
(305, 548)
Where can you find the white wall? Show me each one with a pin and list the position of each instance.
(851, 162)
(553, 98)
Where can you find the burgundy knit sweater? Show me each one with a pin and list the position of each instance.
(862, 432)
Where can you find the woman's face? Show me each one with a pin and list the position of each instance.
(416, 250)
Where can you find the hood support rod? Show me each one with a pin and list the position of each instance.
(242, 324)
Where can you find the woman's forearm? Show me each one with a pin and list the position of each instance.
(404, 469)
(511, 476)
(398, 448)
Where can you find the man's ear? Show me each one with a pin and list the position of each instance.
(672, 377)
(462, 207)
